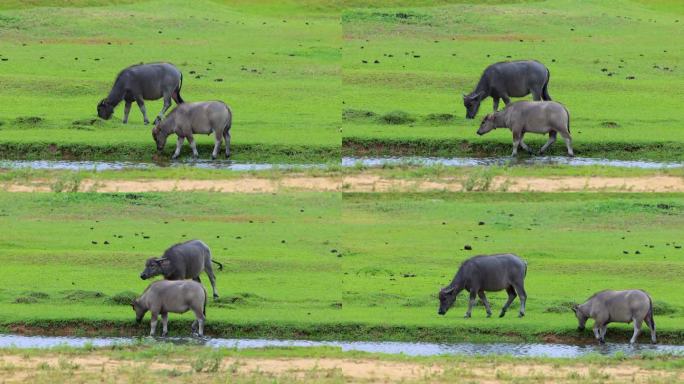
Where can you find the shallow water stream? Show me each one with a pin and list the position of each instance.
(388, 347)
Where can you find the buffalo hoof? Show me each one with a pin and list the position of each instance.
(466, 316)
(489, 314)
(502, 314)
(213, 157)
(174, 157)
(521, 314)
(227, 155)
(602, 341)
(164, 334)
(216, 297)
(147, 122)
(571, 155)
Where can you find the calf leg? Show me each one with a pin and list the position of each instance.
(520, 290)
(141, 105)
(597, 332)
(516, 142)
(471, 302)
(193, 145)
(167, 104)
(602, 331)
(179, 145)
(199, 315)
(651, 326)
(552, 139)
(511, 297)
(568, 142)
(127, 110)
(165, 323)
(637, 331)
(523, 145)
(483, 298)
(217, 147)
(153, 324)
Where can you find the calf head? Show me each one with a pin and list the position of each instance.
(472, 104)
(447, 296)
(139, 310)
(486, 125)
(159, 136)
(581, 317)
(105, 109)
(153, 267)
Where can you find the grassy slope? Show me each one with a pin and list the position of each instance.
(279, 69)
(456, 42)
(294, 289)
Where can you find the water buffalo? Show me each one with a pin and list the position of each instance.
(531, 116)
(143, 82)
(183, 261)
(509, 79)
(617, 307)
(164, 296)
(487, 273)
(190, 118)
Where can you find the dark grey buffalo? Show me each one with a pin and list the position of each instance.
(190, 118)
(509, 79)
(183, 261)
(164, 296)
(531, 116)
(143, 82)
(617, 307)
(487, 273)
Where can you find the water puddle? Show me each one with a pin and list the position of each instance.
(387, 347)
(345, 162)
(505, 161)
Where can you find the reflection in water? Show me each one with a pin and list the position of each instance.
(389, 347)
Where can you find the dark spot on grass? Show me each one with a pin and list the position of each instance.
(29, 120)
(357, 114)
(122, 298)
(439, 118)
(481, 223)
(467, 247)
(396, 118)
(610, 124)
(80, 295)
(25, 300)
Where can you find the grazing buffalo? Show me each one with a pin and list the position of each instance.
(164, 296)
(190, 118)
(183, 261)
(143, 82)
(509, 79)
(531, 116)
(617, 307)
(487, 273)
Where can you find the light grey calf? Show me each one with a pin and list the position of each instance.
(509, 79)
(617, 307)
(190, 118)
(164, 296)
(143, 82)
(487, 273)
(531, 116)
(183, 261)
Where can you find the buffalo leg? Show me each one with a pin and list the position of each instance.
(496, 103)
(522, 143)
(212, 279)
(506, 99)
(193, 145)
(199, 315)
(141, 105)
(552, 139)
(127, 110)
(153, 324)
(483, 298)
(179, 145)
(167, 104)
(471, 302)
(597, 333)
(226, 136)
(165, 323)
(637, 331)
(520, 290)
(568, 143)
(536, 94)
(651, 326)
(511, 297)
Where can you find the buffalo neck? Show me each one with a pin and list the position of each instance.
(115, 95)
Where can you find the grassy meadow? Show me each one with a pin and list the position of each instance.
(275, 64)
(614, 64)
(332, 266)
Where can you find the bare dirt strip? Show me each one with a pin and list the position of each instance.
(370, 183)
(97, 367)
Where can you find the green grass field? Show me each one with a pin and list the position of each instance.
(322, 265)
(275, 64)
(418, 60)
